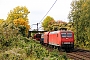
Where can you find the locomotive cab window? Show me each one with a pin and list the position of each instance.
(63, 34)
(69, 34)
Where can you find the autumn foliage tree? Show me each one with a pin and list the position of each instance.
(17, 18)
(47, 21)
(18, 12)
(58, 24)
(22, 25)
(80, 18)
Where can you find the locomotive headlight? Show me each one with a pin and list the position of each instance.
(71, 42)
(62, 42)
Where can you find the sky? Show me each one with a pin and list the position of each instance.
(38, 9)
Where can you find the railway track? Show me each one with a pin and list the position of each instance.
(79, 54)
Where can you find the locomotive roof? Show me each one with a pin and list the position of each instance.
(65, 31)
(53, 32)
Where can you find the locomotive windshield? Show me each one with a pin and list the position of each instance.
(69, 34)
(63, 34)
(66, 34)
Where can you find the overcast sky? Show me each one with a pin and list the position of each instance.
(38, 9)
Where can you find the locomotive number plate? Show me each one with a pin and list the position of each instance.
(66, 42)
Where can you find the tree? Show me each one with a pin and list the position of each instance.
(61, 24)
(80, 17)
(46, 22)
(18, 12)
(57, 25)
(17, 18)
(22, 25)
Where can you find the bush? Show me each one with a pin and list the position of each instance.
(14, 54)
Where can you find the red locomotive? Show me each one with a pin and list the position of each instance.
(62, 39)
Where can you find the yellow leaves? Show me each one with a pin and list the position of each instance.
(15, 22)
(18, 12)
(1, 21)
(21, 21)
(21, 9)
(84, 5)
(28, 27)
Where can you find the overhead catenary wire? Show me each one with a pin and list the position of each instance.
(48, 10)
(45, 14)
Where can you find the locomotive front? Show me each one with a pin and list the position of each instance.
(67, 40)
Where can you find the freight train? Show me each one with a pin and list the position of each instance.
(62, 39)
(37, 36)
